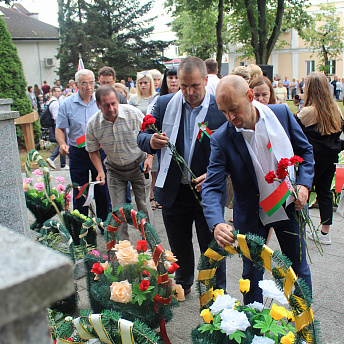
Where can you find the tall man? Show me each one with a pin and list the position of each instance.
(241, 148)
(107, 76)
(74, 113)
(115, 128)
(178, 116)
(213, 80)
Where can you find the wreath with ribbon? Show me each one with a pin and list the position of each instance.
(295, 289)
(158, 312)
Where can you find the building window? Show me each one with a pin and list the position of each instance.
(243, 64)
(310, 66)
(332, 64)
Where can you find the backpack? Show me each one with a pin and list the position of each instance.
(47, 119)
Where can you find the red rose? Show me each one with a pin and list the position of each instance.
(172, 269)
(97, 269)
(142, 245)
(144, 285)
(281, 173)
(294, 159)
(270, 177)
(145, 273)
(283, 163)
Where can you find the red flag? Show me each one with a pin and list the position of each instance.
(339, 177)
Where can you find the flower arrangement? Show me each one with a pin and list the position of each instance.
(135, 281)
(43, 200)
(226, 321)
(287, 187)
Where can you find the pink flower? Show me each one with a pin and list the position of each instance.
(94, 253)
(60, 179)
(27, 180)
(39, 186)
(38, 172)
(69, 197)
(60, 188)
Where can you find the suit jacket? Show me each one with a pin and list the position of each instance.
(200, 159)
(229, 155)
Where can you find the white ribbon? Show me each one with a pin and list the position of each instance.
(90, 195)
(126, 330)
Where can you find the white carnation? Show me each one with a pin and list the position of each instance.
(271, 290)
(262, 340)
(222, 302)
(233, 320)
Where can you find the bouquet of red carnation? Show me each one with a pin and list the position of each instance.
(286, 188)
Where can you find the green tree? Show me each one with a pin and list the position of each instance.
(107, 33)
(324, 36)
(12, 81)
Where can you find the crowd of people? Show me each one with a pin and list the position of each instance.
(250, 131)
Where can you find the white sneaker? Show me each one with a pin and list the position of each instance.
(324, 239)
(51, 163)
(66, 167)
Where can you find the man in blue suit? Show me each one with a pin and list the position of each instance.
(241, 148)
(178, 117)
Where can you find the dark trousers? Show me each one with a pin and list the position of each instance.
(323, 174)
(290, 245)
(178, 222)
(80, 166)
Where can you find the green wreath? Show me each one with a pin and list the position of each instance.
(253, 247)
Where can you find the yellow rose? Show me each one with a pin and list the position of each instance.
(127, 255)
(178, 289)
(122, 244)
(121, 291)
(290, 316)
(278, 312)
(218, 292)
(149, 264)
(104, 265)
(170, 256)
(25, 186)
(288, 338)
(207, 316)
(245, 285)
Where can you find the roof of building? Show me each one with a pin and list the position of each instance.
(22, 26)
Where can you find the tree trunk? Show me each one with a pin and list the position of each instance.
(219, 26)
(252, 22)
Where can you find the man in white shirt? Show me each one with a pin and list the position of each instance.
(115, 128)
(213, 80)
(53, 105)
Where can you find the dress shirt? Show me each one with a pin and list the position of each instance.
(53, 107)
(74, 114)
(212, 83)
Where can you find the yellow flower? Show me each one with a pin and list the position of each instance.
(288, 338)
(52, 197)
(178, 289)
(127, 255)
(207, 316)
(170, 256)
(25, 186)
(290, 316)
(121, 291)
(218, 292)
(278, 312)
(122, 244)
(149, 264)
(39, 179)
(104, 265)
(245, 285)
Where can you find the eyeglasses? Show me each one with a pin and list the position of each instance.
(85, 84)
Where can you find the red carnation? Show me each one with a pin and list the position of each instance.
(270, 177)
(281, 173)
(144, 285)
(142, 245)
(97, 269)
(145, 273)
(283, 163)
(172, 269)
(147, 121)
(294, 159)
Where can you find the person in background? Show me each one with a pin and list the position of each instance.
(119, 87)
(37, 91)
(243, 72)
(45, 88)
(40, 105)
(293, 87)
(156, 75)
(301, 85)
(145, 92)
(32, 97)
(254, 71)
(212, 71)
(262, 90)
(130, 83)
(281, 93)
(335, 90)
(339, 89)
(286, 84)
(331, 85)
(322, 122)
(58, 84)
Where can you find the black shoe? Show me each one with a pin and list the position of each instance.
(187, 291)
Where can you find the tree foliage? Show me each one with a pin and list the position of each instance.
(324, 36)
(12, 81)
(107, 33)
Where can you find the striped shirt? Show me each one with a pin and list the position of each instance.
(118, 139)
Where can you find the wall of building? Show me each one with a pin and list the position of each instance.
(33, 54)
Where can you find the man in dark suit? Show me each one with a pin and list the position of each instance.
(237, 150)
(178, 117)
(130, 83)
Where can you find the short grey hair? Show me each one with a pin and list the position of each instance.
(191, 63)
(82, 72)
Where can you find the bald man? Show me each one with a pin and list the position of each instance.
(240, 148)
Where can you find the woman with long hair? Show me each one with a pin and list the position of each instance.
(263, 91)
(145, 91)
(322, 122)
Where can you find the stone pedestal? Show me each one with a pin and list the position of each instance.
(13, 211)
(32, 277)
